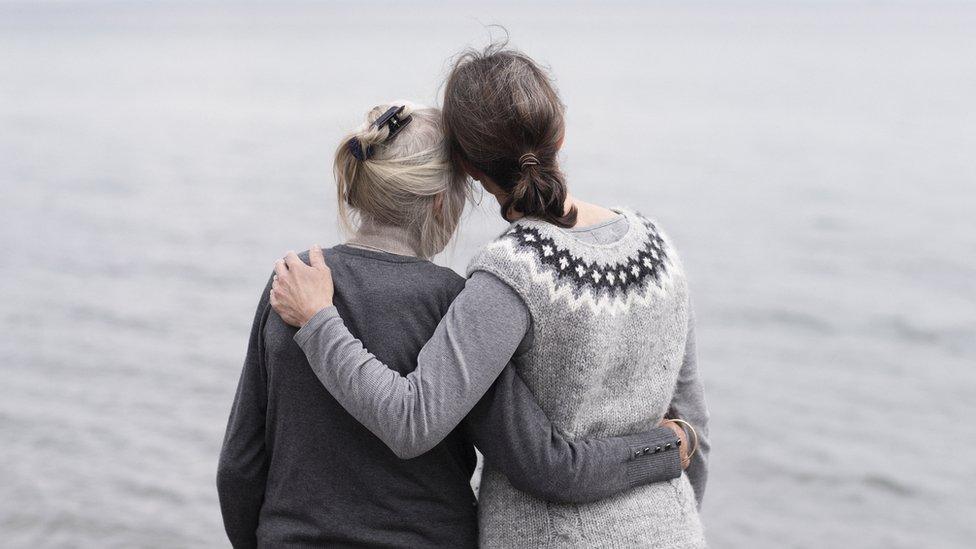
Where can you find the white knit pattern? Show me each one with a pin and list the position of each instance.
(609, 329)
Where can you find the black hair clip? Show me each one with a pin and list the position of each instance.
(356, 148)
(390, 118)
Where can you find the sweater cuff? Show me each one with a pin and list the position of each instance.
(314, 323)
(654, 457)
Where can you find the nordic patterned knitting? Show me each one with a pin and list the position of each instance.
(610, 323)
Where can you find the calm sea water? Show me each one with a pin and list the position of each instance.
(813, 161)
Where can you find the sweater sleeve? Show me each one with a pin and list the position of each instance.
(689, 404)
(411, 414)
(243, 467)
(517, 438)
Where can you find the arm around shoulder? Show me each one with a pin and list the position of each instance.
(411, 414)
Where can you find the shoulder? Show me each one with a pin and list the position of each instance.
(659, 245)
(509, 254)
(654, 250)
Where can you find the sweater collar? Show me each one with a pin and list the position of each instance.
(376, 236)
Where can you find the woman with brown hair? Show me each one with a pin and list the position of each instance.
(591, 305)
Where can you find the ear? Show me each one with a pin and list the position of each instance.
(559, 144)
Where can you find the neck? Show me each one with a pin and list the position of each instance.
(588, 214)
(385, 238)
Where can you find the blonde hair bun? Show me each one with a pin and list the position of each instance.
(399, 179)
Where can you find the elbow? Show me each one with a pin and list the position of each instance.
(407, 443)
(227, 477)
(410, 451)
(223, 472)
(233, 477)
(554, 493)
(547, 477)
(407, 453)
(225, 486)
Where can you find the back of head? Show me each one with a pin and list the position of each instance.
(397, 181)
(503, 116)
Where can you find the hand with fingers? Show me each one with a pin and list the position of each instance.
(299, 291)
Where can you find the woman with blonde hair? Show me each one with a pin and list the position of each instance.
(296, 469)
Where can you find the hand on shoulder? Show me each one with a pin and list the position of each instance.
(299, 291)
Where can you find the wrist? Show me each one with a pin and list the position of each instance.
(312, 311)
(315, 325)
(679, 431)
(689, 439)
(654, 456)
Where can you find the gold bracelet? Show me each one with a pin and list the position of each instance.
(693, 432)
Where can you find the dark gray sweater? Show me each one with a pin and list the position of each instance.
(297, 470)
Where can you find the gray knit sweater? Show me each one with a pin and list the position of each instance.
(611, 325)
